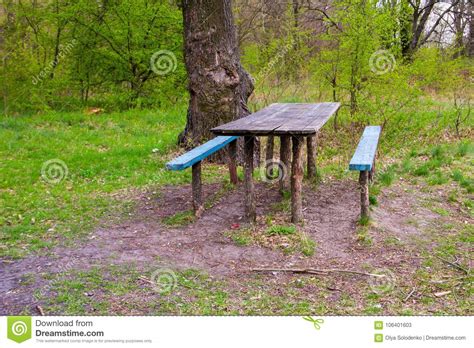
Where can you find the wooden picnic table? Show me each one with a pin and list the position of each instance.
(289, 121)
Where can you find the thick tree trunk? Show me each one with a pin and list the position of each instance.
(218, 85)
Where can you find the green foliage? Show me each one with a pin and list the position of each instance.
(281, 230)
(90, 53)
(387, 177)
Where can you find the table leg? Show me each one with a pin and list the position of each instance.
(297, 179)
(285, 162)
(249, 146)
(269, 156)
(311, 152)
(233, 162)
(197, 190)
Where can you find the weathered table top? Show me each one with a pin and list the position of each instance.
(281, 119)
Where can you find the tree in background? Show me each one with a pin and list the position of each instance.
(65, 54)
(68, 55)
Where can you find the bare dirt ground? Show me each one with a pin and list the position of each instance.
(331, 214)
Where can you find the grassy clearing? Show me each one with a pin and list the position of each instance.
(440, 288)
(110, 154)
(446, 165)
(104, 155)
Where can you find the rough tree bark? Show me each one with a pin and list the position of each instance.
(218, 85)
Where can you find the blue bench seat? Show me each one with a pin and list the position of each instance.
(193, 159)
(364, 156)
(199, 153)
(364, 162)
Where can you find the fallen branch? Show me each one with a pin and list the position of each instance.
(409, 295)
(442, 293)
(146, 280)
(316, 271)
(455, 265)
(40, 310)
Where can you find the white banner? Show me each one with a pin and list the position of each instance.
(237, 331)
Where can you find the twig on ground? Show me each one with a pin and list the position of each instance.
(409, 295)
(455, 265)
(40, 310)
(316, 271)
(442, 293)
(146, 280)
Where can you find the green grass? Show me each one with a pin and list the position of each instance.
(241, 237)
(104, 154)
(286, 238)
(108, 156)
(387, 177)
(281, 230)
(179, 219)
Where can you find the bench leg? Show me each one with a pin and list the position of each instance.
(364, 194)
(269, 156)
(285, 156)
(297, 179)
(249, 147)
(311, 153)
(197, 190)
(234, 179)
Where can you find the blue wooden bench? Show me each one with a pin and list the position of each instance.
(364, 161)
(193, 159)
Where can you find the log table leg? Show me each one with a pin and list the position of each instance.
(372, 172)
(233, 162)
(197, 190)
(364, 194)
(249, 145)
(285, 163)
(269, 156)
(311, 153)
(297, 179)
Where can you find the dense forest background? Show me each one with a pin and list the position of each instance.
(375, 57)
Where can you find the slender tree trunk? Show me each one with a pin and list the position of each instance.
(459, 29)
(470, 43)
(218, 85)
